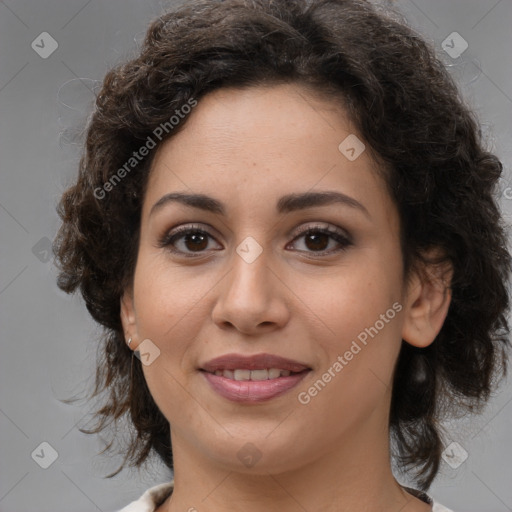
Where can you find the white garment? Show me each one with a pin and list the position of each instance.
(156, 495)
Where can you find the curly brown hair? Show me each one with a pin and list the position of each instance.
(410, 113)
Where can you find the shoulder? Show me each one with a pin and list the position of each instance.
(151, 499)
(437, 507)
(423, 496)
(156, 495)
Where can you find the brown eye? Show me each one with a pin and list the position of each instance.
(195, 241)
(186, 240)
(317, 239)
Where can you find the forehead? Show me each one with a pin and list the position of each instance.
(242, 145)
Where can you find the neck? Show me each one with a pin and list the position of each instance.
(354, 476)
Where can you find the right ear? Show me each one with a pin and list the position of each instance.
(129, 317)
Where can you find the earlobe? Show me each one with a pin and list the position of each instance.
(128, 317)
(427, 304)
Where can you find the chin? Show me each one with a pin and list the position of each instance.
(257, 454)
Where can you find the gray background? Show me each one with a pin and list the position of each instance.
(48, 340)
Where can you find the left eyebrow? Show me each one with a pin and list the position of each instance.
(285, 204)
(293, 202)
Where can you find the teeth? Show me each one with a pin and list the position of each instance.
(271, 373)
(258, 375)
(242, 374)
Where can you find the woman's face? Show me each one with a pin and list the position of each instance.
(246, 281)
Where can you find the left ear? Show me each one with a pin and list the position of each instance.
(128, 318)
(427, 301)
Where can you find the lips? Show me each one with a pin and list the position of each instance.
(256, 362)
(252, 378)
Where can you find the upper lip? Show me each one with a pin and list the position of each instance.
(254, 362)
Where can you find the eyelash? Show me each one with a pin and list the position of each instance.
(169, 239)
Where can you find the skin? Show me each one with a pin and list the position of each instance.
(247, 148)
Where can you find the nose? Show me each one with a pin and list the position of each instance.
(253, 298)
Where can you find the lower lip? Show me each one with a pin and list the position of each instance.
(252, 390)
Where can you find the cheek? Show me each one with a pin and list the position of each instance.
(355, 378)
(166, 310)
(171, 305)
(165, 296)
(356, 297)
(362, 308)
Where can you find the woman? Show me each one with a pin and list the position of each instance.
(268, 370)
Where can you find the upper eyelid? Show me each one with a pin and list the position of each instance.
(323, 226)
(297, 230)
